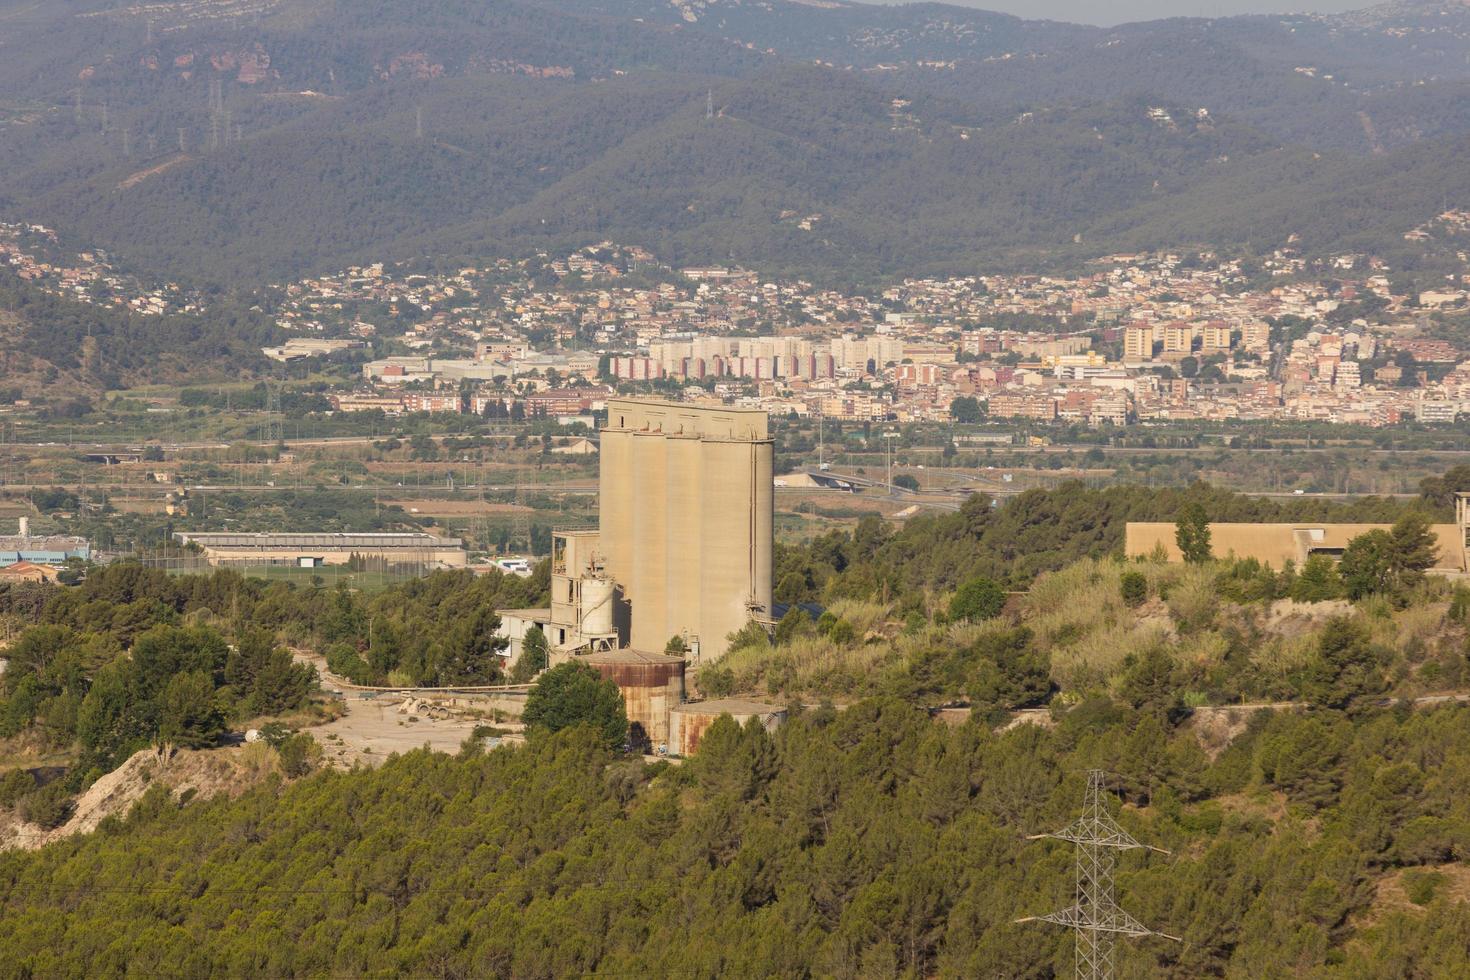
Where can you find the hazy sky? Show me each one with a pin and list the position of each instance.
(1110, 12)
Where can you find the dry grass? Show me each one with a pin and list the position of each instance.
(1284, 654)
(1079, 616)
(864, 616)
(1416, 632)
(1193, 600)
(258, 760)
(809, 665)
(1203, 652)
(1097, 658)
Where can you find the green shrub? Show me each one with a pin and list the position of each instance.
(48, 807)
(344, 660)
(717, 682)
(979, 598)
(1421, 884)
(1134, 587)
(14, 785)
(842, 633)
(572, 694)
(299, 755)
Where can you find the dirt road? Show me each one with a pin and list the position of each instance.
(373, 729)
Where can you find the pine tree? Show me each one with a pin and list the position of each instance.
(1192, 534)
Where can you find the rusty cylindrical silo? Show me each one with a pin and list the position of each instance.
(652, 685)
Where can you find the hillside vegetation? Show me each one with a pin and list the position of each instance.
(1324, 834)
(868, 842)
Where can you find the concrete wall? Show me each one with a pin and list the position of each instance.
(687, 516)
(615, 514)
(1275, 544)
(647, 582)
(684, 557)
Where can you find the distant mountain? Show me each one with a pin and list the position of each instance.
(236, 140)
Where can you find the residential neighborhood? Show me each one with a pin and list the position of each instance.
(1138, 338)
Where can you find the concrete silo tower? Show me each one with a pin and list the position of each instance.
(686, 517)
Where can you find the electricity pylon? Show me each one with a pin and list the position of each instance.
(1096, 917)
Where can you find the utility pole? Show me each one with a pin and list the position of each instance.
(888, 438)
(1096, 918)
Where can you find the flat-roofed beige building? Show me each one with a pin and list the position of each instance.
(1138, 343)
(1276, 544)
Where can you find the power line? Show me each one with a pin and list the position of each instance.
(1097, 918)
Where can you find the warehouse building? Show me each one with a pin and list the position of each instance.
(392, 549)
(46, 549)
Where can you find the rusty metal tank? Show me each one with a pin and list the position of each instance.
(652, 685)
(688, 722)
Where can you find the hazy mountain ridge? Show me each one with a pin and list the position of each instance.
(236, 140)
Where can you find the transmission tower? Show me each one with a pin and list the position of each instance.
(709, 104)
(275, 426)
(1096, 918)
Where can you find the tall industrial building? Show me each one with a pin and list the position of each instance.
(684, 547)
(686, 496)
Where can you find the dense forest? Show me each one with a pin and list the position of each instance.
(871, 841)
(49, 338)
(1275, 730)
(134, 657)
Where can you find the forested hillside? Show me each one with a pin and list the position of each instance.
(872, 841)
(266, 140)
(1283, 733)
(48, 338)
